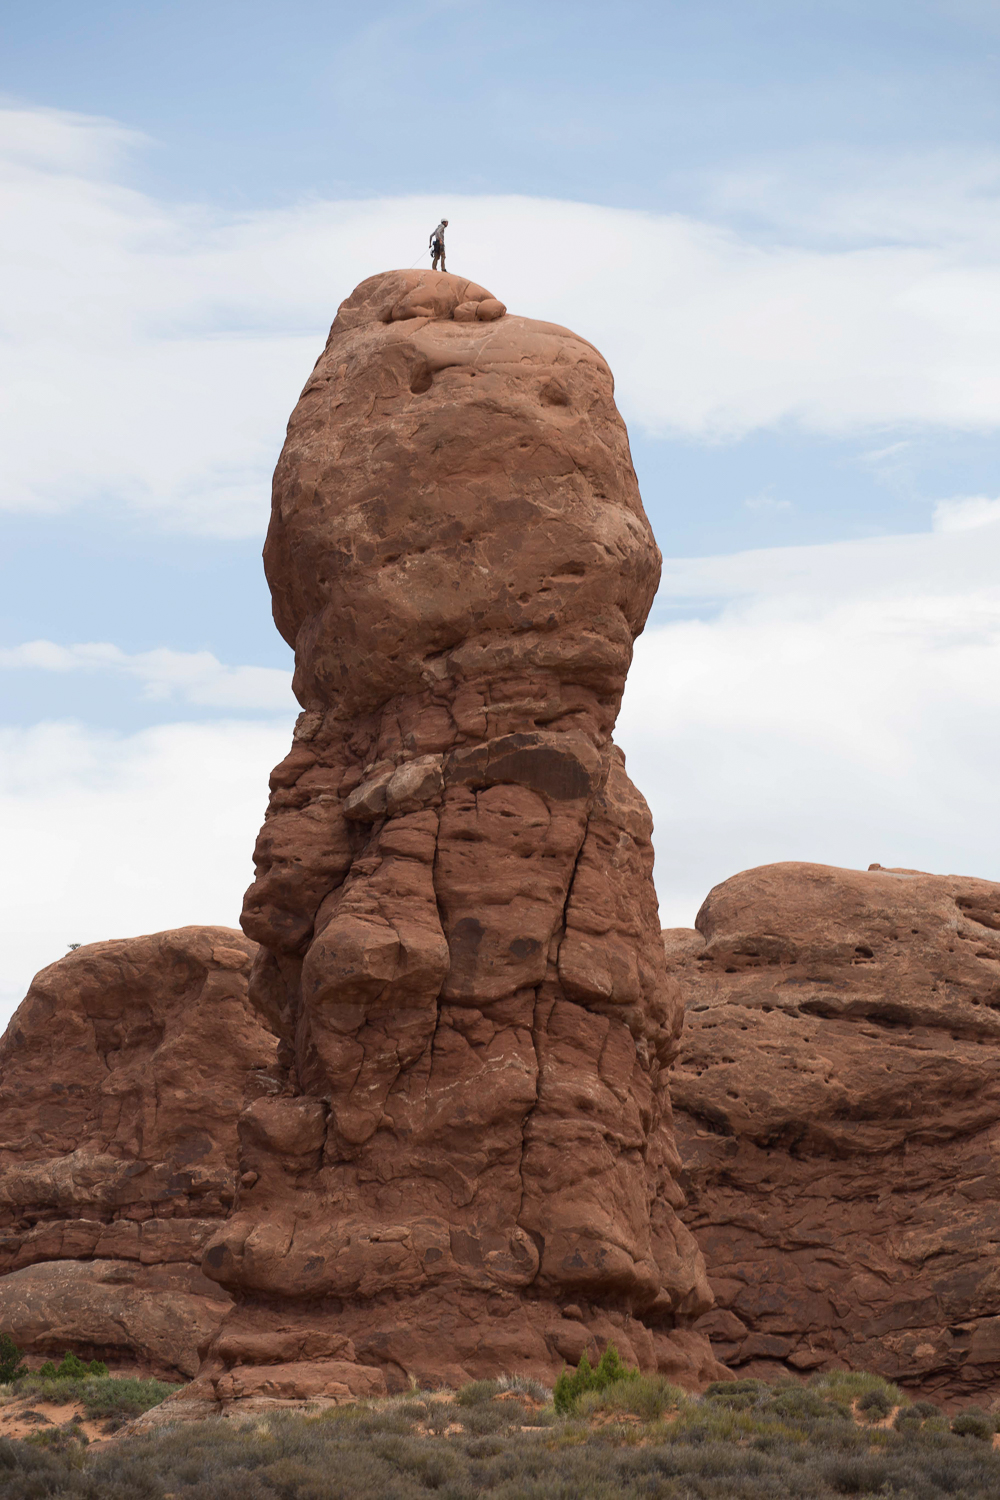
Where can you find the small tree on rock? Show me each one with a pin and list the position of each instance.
(12, 1367)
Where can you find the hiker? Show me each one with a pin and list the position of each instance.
(437, 245)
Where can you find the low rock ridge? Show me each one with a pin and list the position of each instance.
(837, 1106)
(122, 1076)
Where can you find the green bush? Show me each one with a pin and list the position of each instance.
(63, 1439)
(115, 1397)
(738, 1395)
(874, 1405)
(643, 1396)
(974, 1422)
(907, 1420)
(850, 1384)
(11, 1365)
(570, 1387)
(476, 1393)
(798, 1401)
(71, 1368)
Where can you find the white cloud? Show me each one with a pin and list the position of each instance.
(110, 836)
(836, 703)
(965, 514)
(189, 676)
(765, 501)
(56, 140)
(852, 198)
(149, 353)
(841, 704)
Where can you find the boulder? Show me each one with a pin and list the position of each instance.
(837, 1106)
(460, 952)
(154, 1318)
(122, 1076)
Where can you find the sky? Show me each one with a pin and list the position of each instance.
(779, 221)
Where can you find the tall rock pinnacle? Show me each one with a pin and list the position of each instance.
(472, 1166)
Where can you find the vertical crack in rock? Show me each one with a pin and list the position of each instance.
(460, 945)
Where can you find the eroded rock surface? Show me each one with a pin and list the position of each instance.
(122, 1075)
(472, 1166)
(838, 1111)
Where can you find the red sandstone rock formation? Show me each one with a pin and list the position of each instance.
(122, 1074)
(472, 1167)
(838, 1111)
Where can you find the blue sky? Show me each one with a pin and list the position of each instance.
(643, 105)
(780, 223)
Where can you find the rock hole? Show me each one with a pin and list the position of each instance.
(421, 379)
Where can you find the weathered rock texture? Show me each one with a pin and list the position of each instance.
(122, 1075)
(838, 1111)
(472, 1167)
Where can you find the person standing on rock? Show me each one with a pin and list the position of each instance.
(437, 245)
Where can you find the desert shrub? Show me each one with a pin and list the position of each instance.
(798, 1401)
(122, 1395)
(907, 1420)
(477, 1392)
(922, 1416)
(848, 1385)
(115, 1397)
(60, 1438)
(441, 1415)
(485, 1447)
(498, 1416)
(643, 1396)
(609, 1369)
(738, 1395)
(874, 1404)
(524, 1385)
(974, 1422)
(413, 1411)
(773, 1450)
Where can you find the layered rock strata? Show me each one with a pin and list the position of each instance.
(122, 1075)
(838, 1110)
(472, 1165)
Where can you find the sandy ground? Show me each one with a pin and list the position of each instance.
(20, 1416)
